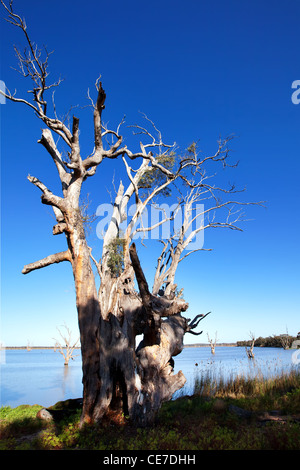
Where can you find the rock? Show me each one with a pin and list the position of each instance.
(45, 415)
(60, 410)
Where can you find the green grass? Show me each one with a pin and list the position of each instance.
(203, 421)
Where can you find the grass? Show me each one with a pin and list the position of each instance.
(203, 421)
(257, 393)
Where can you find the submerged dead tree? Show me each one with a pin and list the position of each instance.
(249, 350)
(212, 343)
(65, 346)
(116, 373)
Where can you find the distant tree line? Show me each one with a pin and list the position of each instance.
(275, 341)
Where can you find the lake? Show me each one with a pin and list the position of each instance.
(40, 377)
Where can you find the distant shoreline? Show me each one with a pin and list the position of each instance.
(203, 345)
(198, 345)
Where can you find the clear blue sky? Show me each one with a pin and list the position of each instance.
(199, 69)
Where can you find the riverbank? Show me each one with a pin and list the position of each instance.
(246, 414)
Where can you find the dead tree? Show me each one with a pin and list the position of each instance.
(212, 343)
(285, 340)
(249, 350)
(65, 346)
(115, 373)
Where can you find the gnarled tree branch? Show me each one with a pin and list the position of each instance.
(194, 323)
(48, 197)
(51, 259)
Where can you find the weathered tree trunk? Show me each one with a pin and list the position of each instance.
(249, 351)
(116, 374)
(212, 343)
(65, 346)
(143, 376)
(88, 311)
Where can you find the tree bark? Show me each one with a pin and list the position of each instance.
(88, 314)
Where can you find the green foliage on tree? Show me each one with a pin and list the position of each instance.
(154, 177)
(116, 256)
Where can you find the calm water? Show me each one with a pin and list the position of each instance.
(231, 362)
(39, 376)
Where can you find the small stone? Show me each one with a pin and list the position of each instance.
(44, 414)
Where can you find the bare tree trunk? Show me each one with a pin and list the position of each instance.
(249, 351)
(163, 339)
(212, 343)
(66, 349)
(138, 381)
(88, 318)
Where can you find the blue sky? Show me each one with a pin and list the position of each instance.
(198, 69)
